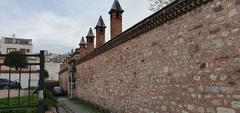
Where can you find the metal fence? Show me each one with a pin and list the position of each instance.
(25, 86)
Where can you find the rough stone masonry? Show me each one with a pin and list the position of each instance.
(190, 64)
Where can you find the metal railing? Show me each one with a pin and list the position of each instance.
(22, 88)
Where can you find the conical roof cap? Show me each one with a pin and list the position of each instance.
(100, 23)
(116, 7)
(90, 33)
(82, 42)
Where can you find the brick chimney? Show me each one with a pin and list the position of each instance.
(116, 19)
(90, 40)
(76, 54)
(100, 32)
(83, 48)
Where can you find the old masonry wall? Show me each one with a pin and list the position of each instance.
(188, 65)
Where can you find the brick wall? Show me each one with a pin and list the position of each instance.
(188, 65)
(116, 23)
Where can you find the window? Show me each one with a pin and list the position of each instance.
(9, 40)
(28, 50)
(10, 50)
(21, 41)
(23, 50)
(25, 67)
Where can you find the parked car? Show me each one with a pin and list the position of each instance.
(58, 91)
(8, 84)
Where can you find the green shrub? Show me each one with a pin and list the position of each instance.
(49, 84)
(50, 101)
(46, 74)
(16, 59)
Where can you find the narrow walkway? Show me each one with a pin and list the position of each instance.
(62, 110)
(67, 106)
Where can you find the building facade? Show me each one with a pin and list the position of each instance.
(8, 44)
(52, 64)
(29, 75)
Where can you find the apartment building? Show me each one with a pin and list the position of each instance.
(8, 44)
(29, 74)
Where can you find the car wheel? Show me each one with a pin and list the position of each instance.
(5, 87)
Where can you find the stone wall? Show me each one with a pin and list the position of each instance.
(63, 80)
(188, 65)
(63, 75)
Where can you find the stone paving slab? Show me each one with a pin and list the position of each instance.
(70, 106)
(62, 110)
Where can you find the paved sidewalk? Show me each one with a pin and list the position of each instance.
(67, 106)
(13, 93)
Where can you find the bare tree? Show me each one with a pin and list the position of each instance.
(156, 5)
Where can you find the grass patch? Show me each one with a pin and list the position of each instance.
(20, 110)
(23, 101)
(50, 101)
(87, 106)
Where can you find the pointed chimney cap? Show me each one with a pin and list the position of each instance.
(90, 33)
(116, 7)
(82, 42)
(100, 23)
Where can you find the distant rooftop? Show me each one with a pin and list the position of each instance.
(14, 40)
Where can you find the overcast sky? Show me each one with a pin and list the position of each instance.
(58, 25)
